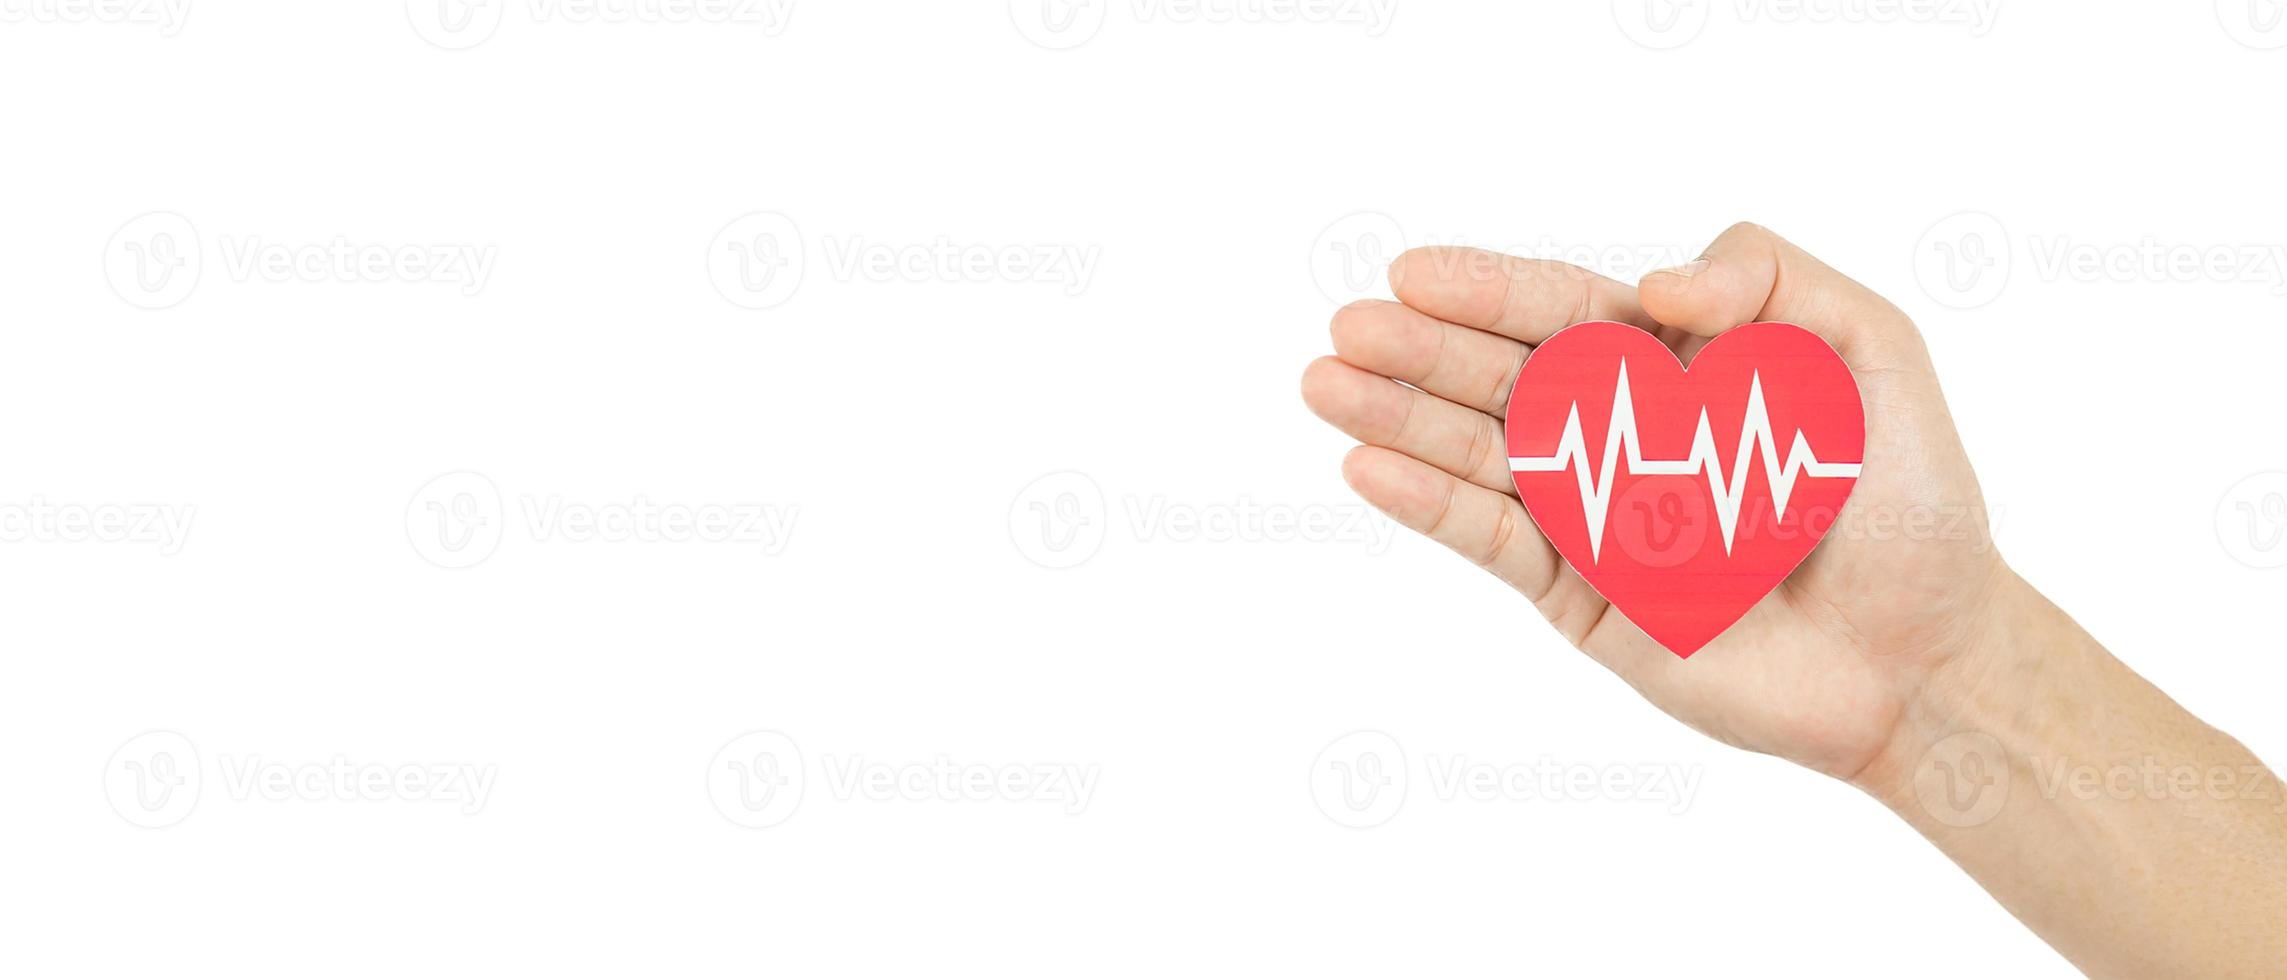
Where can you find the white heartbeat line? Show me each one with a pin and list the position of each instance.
(1596, 492)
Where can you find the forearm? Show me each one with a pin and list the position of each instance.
(2133, 837)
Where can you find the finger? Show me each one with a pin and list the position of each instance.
(1485, 527)
(1519, 298)
(1381, 412)
(1460, 365)
(1750, 274)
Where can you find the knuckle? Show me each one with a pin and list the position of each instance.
(1504, 529)
(1504, 384)
(1479, 456)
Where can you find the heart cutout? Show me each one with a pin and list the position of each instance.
(1685, 496)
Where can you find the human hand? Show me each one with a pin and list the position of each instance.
(1824, 669)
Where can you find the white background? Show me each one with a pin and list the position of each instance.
(1215, 176)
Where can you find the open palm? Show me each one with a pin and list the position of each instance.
(1820, 670)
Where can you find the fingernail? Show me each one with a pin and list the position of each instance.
(1686, 270)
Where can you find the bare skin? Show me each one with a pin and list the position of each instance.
(1888, 659)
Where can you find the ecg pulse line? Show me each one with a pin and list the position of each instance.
(1596, 490)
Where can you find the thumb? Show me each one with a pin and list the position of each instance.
(1750, 274)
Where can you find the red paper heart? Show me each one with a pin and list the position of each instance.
(1766, 425)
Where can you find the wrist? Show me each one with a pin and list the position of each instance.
(2132, 836)
(2005, 690)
